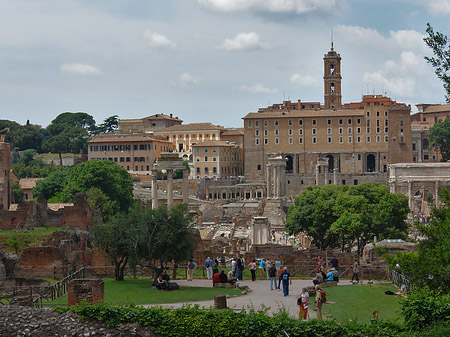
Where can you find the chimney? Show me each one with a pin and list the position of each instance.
(170, 115)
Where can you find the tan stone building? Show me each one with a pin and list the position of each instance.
(148, 124)
(333, 143)
(421, 122)
(135, 152)
(216, 158)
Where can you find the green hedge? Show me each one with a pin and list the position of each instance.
(422, 309)
(193, 321)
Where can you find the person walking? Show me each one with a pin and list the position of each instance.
(355, 271)
(273, 276)
(208, 266)
(233, 266)
(285, 276)
(304, 298)
(240, 268)
(191, 267)
(252, 267)
(262, 268)
(319, 301)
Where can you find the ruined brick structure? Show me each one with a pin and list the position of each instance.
(5, 168)
(90, 290)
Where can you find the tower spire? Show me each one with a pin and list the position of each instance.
(332, 44)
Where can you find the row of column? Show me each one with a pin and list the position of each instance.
(276, 177)
(242, 191)
(185, 187)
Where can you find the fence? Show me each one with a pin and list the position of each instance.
(400, 279)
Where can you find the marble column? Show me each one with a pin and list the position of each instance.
(154, 188)
(269, 180)
(317, 174)
(169, 188)
(436, 191)
(335, 176)
(410, 196)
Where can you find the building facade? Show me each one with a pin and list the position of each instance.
(134, 152)
(148, 124)
(334, 143)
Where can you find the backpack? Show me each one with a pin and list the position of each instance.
(324, 296)
(285, 276)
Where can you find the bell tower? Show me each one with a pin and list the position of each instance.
(332, 79)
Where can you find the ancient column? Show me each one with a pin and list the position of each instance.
(185, 186)
(154, 188)
(269, 180)
(335, 176)
(325, 168)
(410, 196)
(169, 188)
(436, 192)
(317, 174)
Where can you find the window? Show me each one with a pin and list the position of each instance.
(314, 122)
(378, 122)
(359, 156)
(300, 122)
(266, 141)
(378, 114)
(329, 140)
(385, 114)
(329, 121)
(266, 123)
(385, 130)
(378, 130)
(214, 169)
(206, 158)
(277, 141)
(122, 159)
(290, 132)
(329, 131)
(206, 170)
(290, 140)
(358, 121)
(198, 158)
(257, 123)
(206, 150)
(257, 141)
(368, 139)
(276, 122)
(128, 159)
(414, 146)
(300, 140)
(277, 132)
(266, 132)
(386, 139)
(341, 131)
(358, 139)
(401, 123)
(290, 122)
(368, 114)
(349, 121)
(368, 130)
(385, 122)
(214, 158)
(258, 167)
(256, 132)
(300, 131)
(350, 139)
(314, 140)
(249, 124)
(340, 121)
(349, 131)
(358, 130)
(378, 139)
(367, 122)
(426, 157)
(314, 131)
(355, 182)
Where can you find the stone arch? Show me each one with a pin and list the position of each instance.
(423, 199)
(289, 164)
(330, 158)
(370, 163)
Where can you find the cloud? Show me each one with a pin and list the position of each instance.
(272, 6)
(399, 77)
(304, 81)
(368, 37)
(441, 7)
(244, 41)
(257, 88)
(186, 80)
(80, 69)
(158, 41)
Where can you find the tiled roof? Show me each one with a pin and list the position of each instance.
(438, 108)
(214, 143)
(28, 183)
(305, 113)
(190, 127)
(233, 132)
(123, 137)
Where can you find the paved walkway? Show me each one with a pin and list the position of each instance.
(259, 296)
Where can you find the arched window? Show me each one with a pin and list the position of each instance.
(330, 163)
(289, 164)
(370, 163)
(258, 167)
(426, 143)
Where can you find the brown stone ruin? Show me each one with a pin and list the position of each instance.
(89, 290)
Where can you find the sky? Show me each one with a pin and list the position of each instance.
(208, 60)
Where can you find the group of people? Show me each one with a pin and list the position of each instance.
(303, 302)
(163, 281)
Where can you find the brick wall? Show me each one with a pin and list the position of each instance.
(42, 262)
(91, 290)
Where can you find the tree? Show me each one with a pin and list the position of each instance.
(113, 180)
(97, 200)
(440, 46)
(348, 217)
(57, 144)
(27, 157)
(162, 234)
(53, 184)
(439, 137)
(17, 192)
(109, 124)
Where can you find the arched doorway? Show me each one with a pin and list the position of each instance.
(289, 164)
(370, 163)
(330, 163)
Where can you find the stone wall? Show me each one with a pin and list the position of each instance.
(90, 290)
(42, 262)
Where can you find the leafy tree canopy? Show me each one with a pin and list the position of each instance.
(439, 137)
(54, 183)
(348, 216)
(109, 124)
(113, 180)
(440, 46)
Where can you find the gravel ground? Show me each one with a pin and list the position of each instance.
(25, 321)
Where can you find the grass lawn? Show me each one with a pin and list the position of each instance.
(139, 291)
(357, 303)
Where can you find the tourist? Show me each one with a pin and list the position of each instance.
(319, 301)
(334, 263)
(335, 274)
(175, 266)
(252, 267)
(330, 277)
(191, 267)
(304, 298)
(285, 276)
(233, 266)
(232, 279)
(240, 268)
(262, 268)
(319, 263)
(318, 279)
(280, 272)
(215, 267)
(355, 271)
(216, 278)
(278, 264)
(273, 276)
(208, 266)
(223, 277)
(160, 283)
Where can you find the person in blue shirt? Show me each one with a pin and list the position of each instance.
(285, 277)
(262, 267)
(208, 266)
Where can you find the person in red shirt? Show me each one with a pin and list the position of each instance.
(319, 264)
(216, 278)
